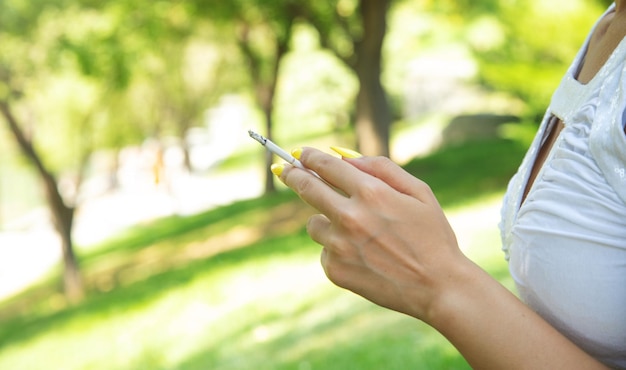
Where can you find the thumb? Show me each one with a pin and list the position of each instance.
(395, 176)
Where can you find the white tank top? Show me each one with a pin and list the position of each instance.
(566, 244)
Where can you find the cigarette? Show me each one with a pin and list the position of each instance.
(267, 143)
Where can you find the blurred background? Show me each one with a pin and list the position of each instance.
(140, 227)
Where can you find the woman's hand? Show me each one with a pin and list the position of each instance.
(386, 238)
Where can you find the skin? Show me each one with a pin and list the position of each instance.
(387, 239)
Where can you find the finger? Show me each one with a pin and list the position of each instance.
(312, 190)
(396, 177)
(318, 228)
(335, 171)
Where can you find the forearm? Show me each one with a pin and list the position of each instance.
(493, 329)
(387, 239)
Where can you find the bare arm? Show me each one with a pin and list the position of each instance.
(388, 240)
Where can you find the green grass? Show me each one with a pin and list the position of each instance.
(465, 172)
(240, 287)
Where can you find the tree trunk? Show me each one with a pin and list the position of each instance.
(266, 98)
(265, 86)
(373, 116)
(62, 215)
(63, 218)
(186, 157)
(269, 176)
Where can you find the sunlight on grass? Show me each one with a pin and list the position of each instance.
(219, 303)
(269, 307)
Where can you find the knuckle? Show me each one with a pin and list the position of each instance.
(371, 191)
(313, 159)
(384, 163)
(423, 187)
(350, 222)
(349, 219)
(321, 162)
(333, 273)
(300, 184)
(381, 160)
(340, 244)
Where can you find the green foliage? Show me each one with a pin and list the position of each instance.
(71, 67)
(522, 48)
(135, 58)
(469, 8)
(338, 25)
(319, 101)
(532, 51)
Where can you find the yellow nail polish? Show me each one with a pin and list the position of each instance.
(346, 153)
(277, 169)
(297, 153)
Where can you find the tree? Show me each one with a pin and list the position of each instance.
(62, 214)
(262, 31)
(15, 65)
(264, 70)
(64, 69)
(355, 32)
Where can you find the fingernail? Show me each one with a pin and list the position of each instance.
(297, 153)
(277, 169)
(346, 153)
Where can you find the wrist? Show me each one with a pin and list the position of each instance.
(455, 293)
